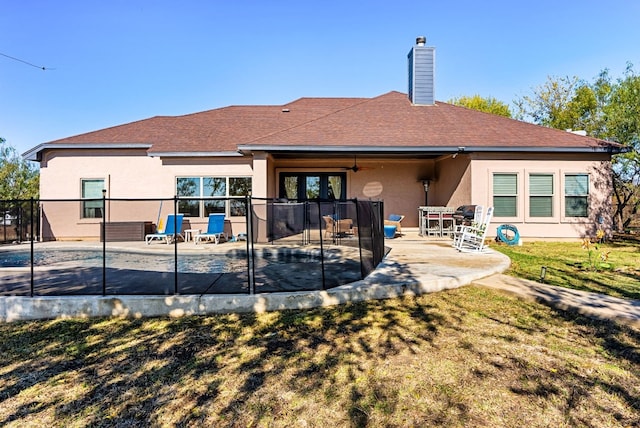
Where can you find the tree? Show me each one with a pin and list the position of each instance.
(18, 178)
(623, 125)
(605, 109)
(487, 105)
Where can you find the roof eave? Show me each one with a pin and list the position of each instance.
(34, 154)
(195, 154)
(427, 149)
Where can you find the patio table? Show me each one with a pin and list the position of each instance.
(436, 221)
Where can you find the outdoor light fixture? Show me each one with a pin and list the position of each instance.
(543, 273)
(425, 183)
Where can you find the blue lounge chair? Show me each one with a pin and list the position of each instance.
(215, 228)
(394, 220)
(172, 229)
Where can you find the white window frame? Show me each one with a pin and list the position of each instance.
(202, 199)
(555, 205)
(573, 219)
(519, 189)
(83, 198)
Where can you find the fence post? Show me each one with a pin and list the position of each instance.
(324, 285)
(362, 270)
(250, 256)
(31, 244)
(104, 242)
(175, 245)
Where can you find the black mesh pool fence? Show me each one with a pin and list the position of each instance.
(111, 246)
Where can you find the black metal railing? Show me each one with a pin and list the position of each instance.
(57, 247)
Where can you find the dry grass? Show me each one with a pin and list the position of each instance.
(466, 357)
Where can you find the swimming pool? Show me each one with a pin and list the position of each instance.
(79, 270)
(220, 262)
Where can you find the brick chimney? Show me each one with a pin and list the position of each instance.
(422, 64)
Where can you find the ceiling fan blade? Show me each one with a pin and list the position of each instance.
(356, 167)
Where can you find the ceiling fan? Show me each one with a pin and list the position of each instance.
(356, 167)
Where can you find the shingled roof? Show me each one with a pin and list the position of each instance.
(389, 122)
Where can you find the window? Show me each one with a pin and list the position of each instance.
(239, 187)
(303, 186)
(201, 196)
(505, 195)
(92, 189)
(189, 186)
(215, 187)
(541, 195)
(313, 187)
(576, 195)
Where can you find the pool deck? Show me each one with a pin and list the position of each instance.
(414, 265)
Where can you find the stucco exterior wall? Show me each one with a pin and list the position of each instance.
(454, 181)
(451, 185)
(398, 184)
(558, 226)
(127, 174)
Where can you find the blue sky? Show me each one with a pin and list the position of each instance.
(118, 61)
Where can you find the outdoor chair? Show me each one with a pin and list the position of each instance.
(472, 237)
(447, 221)
(334, 228)
(477, 219)
(172, 229)
(394, 220)
(432, 221)
(215, 228)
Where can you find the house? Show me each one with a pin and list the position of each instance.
(405, 149)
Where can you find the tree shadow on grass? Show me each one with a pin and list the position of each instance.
(237, 370)
(620, 341)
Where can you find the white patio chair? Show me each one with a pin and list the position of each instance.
(477, 219)
(472, 237)
(432, 221)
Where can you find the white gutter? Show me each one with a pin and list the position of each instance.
(32, 154)
(194, 154)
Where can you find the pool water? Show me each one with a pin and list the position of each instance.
(141, 261)
(23, 258)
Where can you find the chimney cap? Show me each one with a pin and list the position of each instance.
(421, 40)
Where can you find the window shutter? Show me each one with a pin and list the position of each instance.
(505, 192)
(540, 184)
(504, 206)
(576, 185)
(541, 195)
(541, 206)
(505, 184)
(576, 192)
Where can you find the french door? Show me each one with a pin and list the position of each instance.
(303, 186)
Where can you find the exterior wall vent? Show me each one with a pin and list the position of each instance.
(422, 61)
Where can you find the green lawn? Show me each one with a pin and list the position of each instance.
(569, 265)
